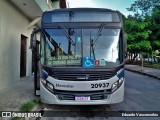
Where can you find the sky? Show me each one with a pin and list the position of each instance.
(119, 5)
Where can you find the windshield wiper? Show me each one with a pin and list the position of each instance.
(91, 47)
(98, 34)
(67, 35)
(93, 42)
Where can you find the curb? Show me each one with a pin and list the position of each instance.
(149, 75)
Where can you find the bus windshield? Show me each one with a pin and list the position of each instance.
(71, 46)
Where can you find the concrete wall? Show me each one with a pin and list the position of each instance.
(42, 4)
(45, 7)
(12, 24)
(56, 5)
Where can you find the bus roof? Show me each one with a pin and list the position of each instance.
(82, 9)
(73, 16)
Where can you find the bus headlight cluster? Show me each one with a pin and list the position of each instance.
(50, 86)
(47, 85)
(117, 84)
(43, 81)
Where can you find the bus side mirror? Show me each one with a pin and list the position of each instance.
(33, 43)
(125, 42)
(125, 45)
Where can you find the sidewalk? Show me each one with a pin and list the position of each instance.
(151, 72)
(17, 94)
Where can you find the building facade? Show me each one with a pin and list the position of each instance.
(17, 20)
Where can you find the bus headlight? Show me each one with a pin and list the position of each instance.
(50, 86)
(47, 85)
(117, 84)
(43, 81)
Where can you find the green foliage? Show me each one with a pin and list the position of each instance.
(17, 118)
(156, 14)
(137, 35)
(141, 8)
(156, 44)
(154, 26)
(143, 29)
(155, 53)
(29, 106)
(142, 46)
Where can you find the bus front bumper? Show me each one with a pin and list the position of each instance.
(49, 98)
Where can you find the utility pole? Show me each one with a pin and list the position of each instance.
(142, 62)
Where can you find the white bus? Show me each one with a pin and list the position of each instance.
(81, 57)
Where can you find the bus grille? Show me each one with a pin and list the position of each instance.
(94, 95)
(83, 76)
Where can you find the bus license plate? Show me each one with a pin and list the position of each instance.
(82, 98)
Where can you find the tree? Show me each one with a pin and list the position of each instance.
(154, 26)
(144, 27)
(141, 8)
(137, 37)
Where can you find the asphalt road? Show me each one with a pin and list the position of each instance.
(141, 94)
